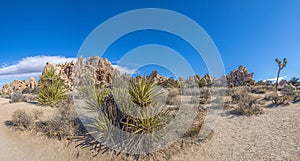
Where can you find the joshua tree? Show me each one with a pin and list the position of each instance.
(280, 67)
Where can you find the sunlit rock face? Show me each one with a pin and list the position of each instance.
(19, 86)
(241, 77)
(98, 71)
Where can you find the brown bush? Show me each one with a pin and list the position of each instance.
(63, 124)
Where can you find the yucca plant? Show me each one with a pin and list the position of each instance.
(134, 109)
(52, 90)
(96, 99)
(142, 91)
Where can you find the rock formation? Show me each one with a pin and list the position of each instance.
(154, 76)
(18, 86)
(94, 70)
(240, 77)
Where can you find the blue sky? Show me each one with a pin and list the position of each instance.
(248, 32)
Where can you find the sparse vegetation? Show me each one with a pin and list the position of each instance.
(294, 81)
(247, 105)
(52, 90)
(144, 113)
(17, 97)
(202, 83)
(64, 123)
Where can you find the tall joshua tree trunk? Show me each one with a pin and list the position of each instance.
(277, 79)
(280, 67)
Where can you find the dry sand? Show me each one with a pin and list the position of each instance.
(274, 135)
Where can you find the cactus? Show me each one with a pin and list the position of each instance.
(280, 67)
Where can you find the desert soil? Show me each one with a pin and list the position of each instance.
(274, 135)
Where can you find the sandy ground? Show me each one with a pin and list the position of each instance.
(274, 135)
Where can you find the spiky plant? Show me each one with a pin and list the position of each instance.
(96, 100)
(52, 90)
(144, 114)
(142, 91)
(280, 67)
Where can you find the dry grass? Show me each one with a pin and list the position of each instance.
(63, 124)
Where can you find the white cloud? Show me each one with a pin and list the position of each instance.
(273, 80)
(33, 67)
(124, 70)
(30, 66)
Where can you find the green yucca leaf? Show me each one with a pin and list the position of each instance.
(52, 90)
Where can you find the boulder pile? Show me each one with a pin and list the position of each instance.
(94, 70)
(18, 86)
(240, 77)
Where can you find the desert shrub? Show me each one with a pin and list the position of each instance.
(294, 81)
(173, 97)
(174, 92)
(173, 100)
(52, 90)
(22, 120)
(63, 124)
(17, 97)
(280, 100)
(296, 97)
(259, 90)
(202, 83)
(248, 105)
(261, 83)
(169, 83)
(237, 94)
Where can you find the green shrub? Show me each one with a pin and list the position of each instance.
(52, 90)
(144, 114)
(202, 83)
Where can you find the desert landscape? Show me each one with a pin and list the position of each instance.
(198, 80)
(256, 120)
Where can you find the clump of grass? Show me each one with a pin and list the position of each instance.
(52, 90)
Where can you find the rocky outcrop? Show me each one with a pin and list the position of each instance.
(154, 76)
(240, 77)
(94, 70)
(65, 71)
(18, 86)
